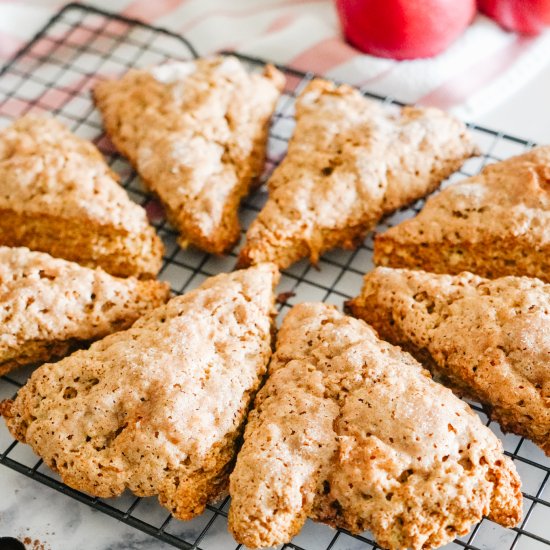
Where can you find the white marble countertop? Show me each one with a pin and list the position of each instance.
(31, 510)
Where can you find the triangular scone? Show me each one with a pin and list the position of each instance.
(487, 339)
(58, 195)
(352, 431)
(350, 161)
(494, 224)
(158, 408)
(49, 306)
(196, 132)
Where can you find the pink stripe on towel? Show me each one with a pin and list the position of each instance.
(457, 89)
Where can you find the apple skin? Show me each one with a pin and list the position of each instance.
(523, 16)
(404, 29)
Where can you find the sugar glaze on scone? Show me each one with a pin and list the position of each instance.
(351, 431)
(58, 195)
(196, 132)
(49, 306)
(350, 161)
(494, 224)
(486, 339)
(160, 407)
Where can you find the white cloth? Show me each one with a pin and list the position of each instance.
(481, 69)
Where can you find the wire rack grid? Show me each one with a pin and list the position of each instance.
(54, 72)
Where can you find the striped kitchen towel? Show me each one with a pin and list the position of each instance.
(480, 70)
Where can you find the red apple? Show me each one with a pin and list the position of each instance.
(524, 16)
(404, 29)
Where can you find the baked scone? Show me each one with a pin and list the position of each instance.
(349, 162)
(196, 132)
(494, 224)
(57, 195)
(351, 431)
(487, 339)
(158, 408)
(49, 306)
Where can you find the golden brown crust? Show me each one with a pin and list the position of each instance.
(486, 339)
(90, 244)
(57, 195)
(351, 431)
(196, 132)
(494, 224)
(349, 162)
(50, 306)
(160, 407)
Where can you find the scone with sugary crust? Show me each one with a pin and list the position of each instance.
(350, 162)
(57, 195)
(494, 224)
(196, 132)
(487, 339)
(158, 408)
(49, 306)
(351, 431)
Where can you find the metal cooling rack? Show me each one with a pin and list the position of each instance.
(55, 72)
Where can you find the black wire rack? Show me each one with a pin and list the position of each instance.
(54, 72)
